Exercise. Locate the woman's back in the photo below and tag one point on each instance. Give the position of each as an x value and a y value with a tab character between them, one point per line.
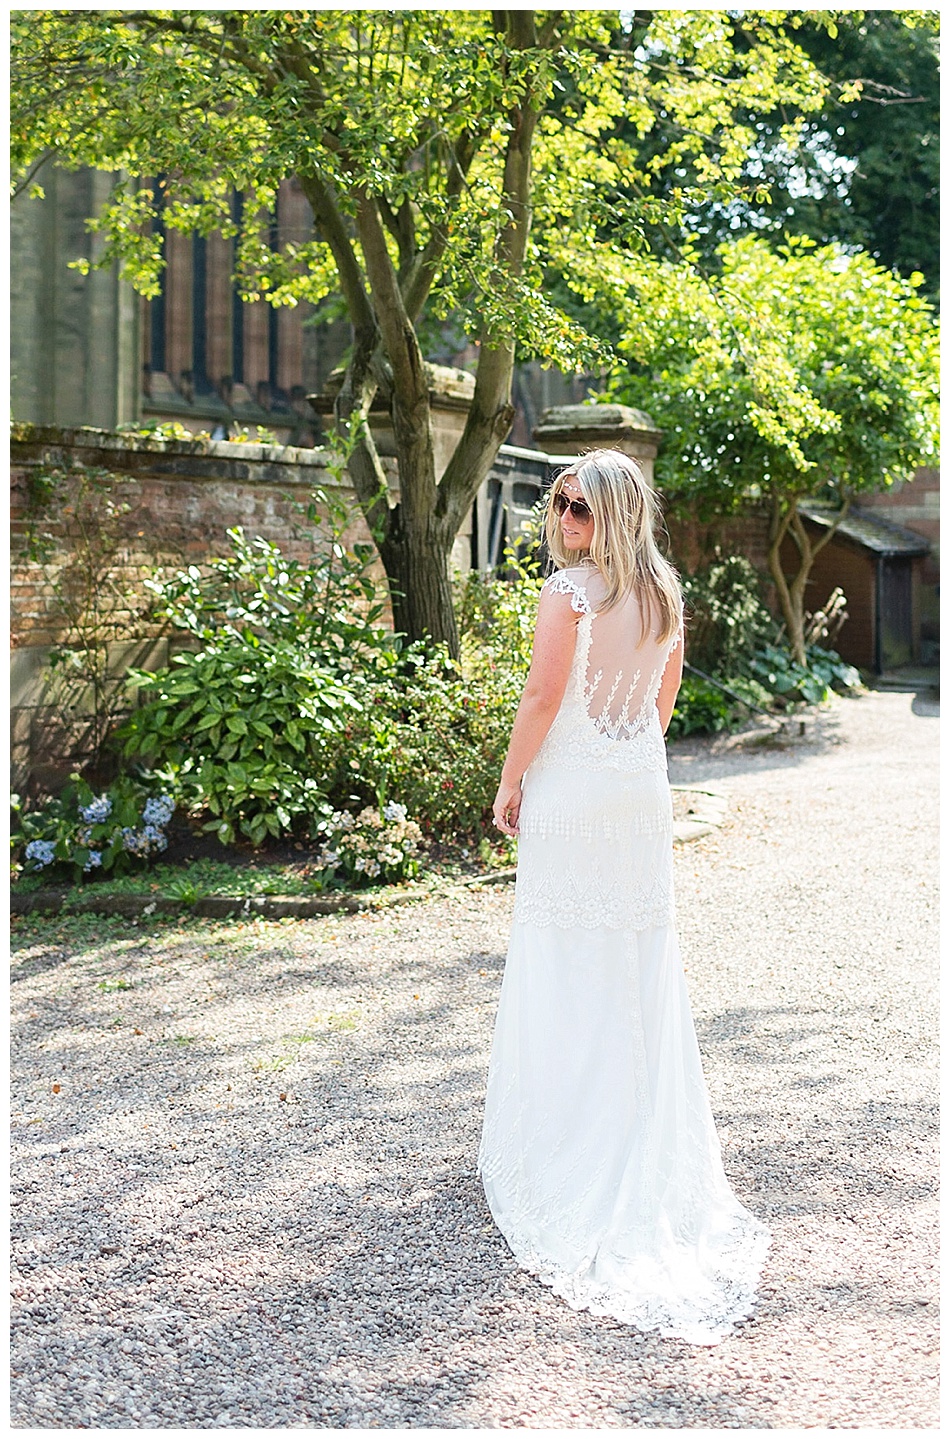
619	658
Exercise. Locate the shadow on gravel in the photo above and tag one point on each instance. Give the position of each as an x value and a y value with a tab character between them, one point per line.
328	1260
831	1158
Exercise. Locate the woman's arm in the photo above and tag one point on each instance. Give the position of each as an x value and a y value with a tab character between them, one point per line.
551	659
669	685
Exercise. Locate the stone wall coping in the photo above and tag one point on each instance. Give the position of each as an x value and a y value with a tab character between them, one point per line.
449	389
581	420
196	458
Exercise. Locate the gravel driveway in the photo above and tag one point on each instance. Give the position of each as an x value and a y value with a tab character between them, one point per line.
244	1191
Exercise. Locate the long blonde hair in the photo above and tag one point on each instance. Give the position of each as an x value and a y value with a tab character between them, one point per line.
623	546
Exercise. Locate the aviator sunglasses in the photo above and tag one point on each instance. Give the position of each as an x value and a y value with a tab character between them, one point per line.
578	508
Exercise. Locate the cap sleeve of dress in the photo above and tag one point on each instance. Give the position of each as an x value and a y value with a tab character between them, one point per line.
561	583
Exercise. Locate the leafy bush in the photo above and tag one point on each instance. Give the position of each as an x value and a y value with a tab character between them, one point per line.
245	730
89	833
251	727
298	702
826	672
432	737
700	709
727	620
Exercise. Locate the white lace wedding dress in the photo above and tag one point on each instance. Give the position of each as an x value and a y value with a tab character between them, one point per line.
599	1154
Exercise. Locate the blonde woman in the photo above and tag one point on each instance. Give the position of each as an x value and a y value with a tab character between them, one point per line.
599	1154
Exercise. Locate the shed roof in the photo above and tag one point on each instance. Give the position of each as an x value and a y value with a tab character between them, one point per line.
866	528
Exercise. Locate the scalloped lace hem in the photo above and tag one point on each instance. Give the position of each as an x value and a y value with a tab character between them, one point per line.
692	1320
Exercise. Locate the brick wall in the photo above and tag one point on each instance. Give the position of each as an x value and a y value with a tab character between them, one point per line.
693	544
182	497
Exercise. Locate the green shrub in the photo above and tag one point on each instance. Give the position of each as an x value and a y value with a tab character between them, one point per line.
700	709
825	672
726	619
298	702
246	731
85	833
251	726
432	738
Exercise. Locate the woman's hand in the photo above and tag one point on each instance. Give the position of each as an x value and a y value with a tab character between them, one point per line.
507	807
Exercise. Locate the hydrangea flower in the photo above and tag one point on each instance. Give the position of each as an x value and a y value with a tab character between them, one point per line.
394	812
94	861
158	811
143	841
97	811
41	850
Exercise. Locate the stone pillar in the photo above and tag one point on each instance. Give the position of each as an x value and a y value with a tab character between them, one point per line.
450	396
572	430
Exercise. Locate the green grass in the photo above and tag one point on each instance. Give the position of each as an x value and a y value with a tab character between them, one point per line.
191	881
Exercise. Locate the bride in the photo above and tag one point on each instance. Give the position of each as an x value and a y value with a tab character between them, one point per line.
599	1154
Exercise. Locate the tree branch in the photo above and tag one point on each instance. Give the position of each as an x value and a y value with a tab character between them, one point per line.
398	336
489	418
333	229
28	178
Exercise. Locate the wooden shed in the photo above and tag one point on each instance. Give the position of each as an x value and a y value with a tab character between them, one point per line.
877	565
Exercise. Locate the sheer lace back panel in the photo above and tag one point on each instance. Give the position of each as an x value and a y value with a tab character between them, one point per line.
596	817
619	661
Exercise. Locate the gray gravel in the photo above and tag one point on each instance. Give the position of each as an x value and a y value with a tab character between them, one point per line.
252	1201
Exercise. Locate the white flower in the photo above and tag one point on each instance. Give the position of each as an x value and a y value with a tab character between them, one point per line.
393	811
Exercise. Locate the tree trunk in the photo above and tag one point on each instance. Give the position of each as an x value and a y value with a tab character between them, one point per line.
785	519
417	567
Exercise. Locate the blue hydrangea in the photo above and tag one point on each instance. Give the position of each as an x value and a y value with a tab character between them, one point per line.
94	861
43	851
158	811
98	811
142	842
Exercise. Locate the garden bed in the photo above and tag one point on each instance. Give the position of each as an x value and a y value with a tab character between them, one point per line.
282	885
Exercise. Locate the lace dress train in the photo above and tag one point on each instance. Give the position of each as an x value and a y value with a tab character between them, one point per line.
599	1154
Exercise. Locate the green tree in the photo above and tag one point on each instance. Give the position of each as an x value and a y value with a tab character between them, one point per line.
867	168
862	168
792	373
442	154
